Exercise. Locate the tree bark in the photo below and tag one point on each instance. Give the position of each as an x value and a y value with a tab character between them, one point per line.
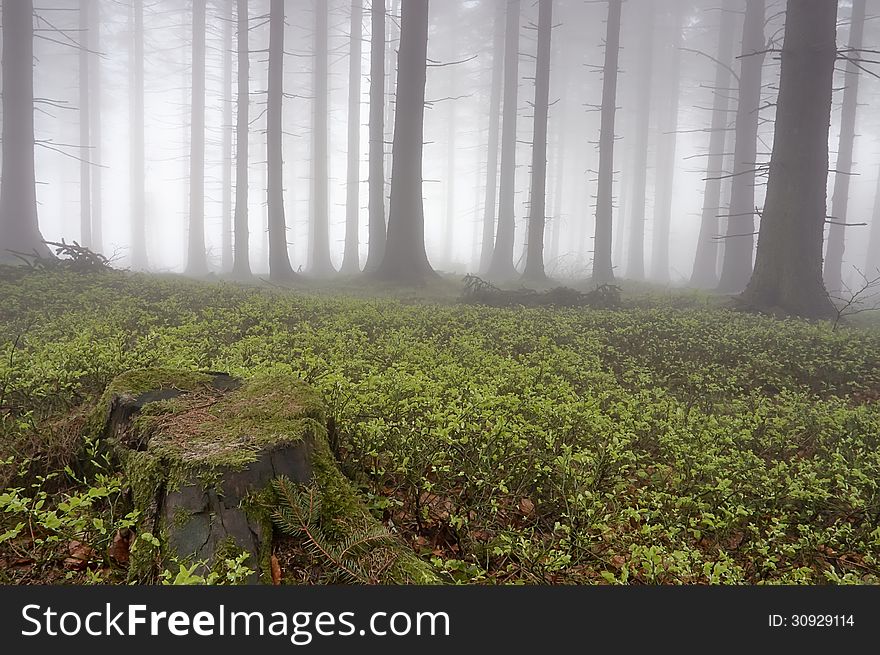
376	246
405	258
534	270
788	267
843	170
241	263
351	257
136	148
279	259
196	261
226	191
602	268
501	265
85	156
739	242
321	265
705	274
635	265
94	41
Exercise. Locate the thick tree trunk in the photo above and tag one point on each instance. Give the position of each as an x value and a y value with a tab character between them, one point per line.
705	273
94	41
391	61
279	260
490	204
534	269
843	169
226	190
196	261
501	266
788	267
85	156
376	246
665	175
136	149
241	265
872	261
635	264
739	242
351	258
405	258
321	265
602	268
19	229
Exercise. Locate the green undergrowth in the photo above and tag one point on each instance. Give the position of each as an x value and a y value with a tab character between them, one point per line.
670	441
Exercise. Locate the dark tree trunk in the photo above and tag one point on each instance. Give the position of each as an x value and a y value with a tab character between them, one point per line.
94	41
872	261
320	261
376	246
19	229
241	265
491	190
85	156
136	151
534	270
226	191
196	261
279	260
705	272
635	264
665	174
602	268
501	266
351	258
843	169
391	61
405	258
739	242
788	267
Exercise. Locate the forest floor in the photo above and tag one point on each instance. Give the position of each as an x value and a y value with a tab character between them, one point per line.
670	440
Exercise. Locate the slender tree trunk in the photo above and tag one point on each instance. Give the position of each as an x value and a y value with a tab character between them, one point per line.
843	169
85	155
739	242
279	259
391	62
534	269
705	273
490	204
788	267
376	246
136	149
501	266
559	186
602	268
321	265
196	261
19	228
449	240
241	264
872	261
94	40
226	191
351	257
665	175
405	258
635	265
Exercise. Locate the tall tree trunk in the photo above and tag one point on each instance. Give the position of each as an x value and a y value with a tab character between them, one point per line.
85	155
136	148
739	242
635	264
872	261
534	269
196	261
94	41
602	268
449	240
19	229
226	191
665	174
376	246
405	258
558	191
241	264
279	259
351	257
705	274
320	260
391	62
843	169
501	266
788	267
490	205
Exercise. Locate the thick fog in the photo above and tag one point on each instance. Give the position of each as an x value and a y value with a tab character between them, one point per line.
684	40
